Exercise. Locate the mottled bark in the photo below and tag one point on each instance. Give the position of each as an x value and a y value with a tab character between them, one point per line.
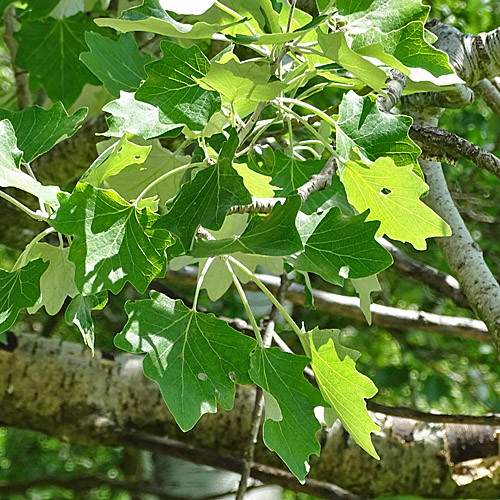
58	388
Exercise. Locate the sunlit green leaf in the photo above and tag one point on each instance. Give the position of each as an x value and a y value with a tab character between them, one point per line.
393	196
342	385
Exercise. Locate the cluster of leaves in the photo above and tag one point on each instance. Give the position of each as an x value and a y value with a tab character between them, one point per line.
140	206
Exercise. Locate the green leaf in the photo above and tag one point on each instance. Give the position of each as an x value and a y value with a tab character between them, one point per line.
290	424
151	17
116	158
332	196
37	9
258	185
289	174
343	247
137	118
38	130
114	242
79	313
393	196
386	15
342	385
218	279
361	125
118	64
129	183
18	290
195	358
49	49
206	199
10	173
336	48
237	80
172	87
58	281
274	234
407	50
364	287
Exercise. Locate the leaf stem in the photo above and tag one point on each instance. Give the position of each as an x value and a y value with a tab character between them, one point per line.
204	271
309	127
21	260
246	305
309	107
269	294
35	215
159	179
234	14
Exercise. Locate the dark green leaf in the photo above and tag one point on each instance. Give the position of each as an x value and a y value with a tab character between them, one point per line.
206	199
195	358
38	130
19	290
343	247
118	64
79	312
289	174
274	234
49	50
171	86
114	242
290	426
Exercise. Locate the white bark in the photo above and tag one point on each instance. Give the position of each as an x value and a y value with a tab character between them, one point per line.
58	388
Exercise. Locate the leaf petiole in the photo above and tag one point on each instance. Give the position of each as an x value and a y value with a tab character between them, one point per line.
160	179
246	305
38	215
22	258
200	281
270	296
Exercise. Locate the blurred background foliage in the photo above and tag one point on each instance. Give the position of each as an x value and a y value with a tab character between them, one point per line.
412	368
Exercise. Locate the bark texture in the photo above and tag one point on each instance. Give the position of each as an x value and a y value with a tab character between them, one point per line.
58	388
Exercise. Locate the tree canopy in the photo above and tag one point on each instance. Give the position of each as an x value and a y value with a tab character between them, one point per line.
165	166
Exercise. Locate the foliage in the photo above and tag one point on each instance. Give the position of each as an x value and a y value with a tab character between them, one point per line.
238	132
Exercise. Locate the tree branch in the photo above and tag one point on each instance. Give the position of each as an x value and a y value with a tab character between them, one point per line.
22	84
389	317
58	388
396	83
451	143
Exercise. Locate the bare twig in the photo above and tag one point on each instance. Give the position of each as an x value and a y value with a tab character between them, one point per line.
317	182
389	317
490	94
258	408
22	85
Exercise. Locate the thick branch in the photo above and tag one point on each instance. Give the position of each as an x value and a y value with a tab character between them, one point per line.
388	317
59	388
453	144
21	77
395	86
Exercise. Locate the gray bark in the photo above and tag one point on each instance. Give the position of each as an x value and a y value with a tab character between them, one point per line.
58	388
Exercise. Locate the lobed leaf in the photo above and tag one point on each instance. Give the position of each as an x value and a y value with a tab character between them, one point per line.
114	242
194	357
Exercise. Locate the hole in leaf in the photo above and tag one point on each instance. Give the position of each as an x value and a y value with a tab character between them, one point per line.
232	376
202	376
137	157
385	191
120	149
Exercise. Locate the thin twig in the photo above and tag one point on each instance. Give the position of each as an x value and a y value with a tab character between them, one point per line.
258	408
